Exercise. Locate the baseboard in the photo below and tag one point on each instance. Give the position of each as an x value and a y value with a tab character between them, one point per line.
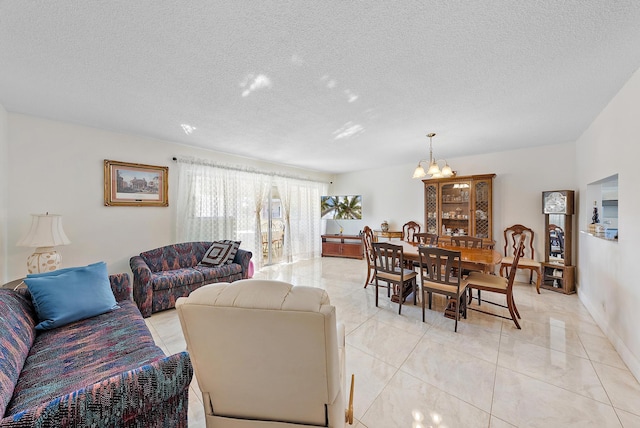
626	355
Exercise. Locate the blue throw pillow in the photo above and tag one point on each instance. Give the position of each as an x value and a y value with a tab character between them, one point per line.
71	294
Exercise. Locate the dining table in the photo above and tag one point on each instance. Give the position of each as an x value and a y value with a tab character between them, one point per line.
480	259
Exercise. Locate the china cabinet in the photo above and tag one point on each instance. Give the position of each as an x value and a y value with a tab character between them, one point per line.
557	272
459	206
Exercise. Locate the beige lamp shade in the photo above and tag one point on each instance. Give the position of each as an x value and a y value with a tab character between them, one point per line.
45	233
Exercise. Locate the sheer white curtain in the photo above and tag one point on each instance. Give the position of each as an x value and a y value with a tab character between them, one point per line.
301	211
217	202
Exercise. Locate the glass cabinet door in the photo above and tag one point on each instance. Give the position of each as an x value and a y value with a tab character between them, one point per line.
454	212
431	208
482	226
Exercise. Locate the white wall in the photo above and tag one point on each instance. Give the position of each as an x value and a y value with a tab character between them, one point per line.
521	177
4	188
58	167
607	270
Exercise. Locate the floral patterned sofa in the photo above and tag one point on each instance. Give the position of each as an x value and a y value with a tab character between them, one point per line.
99	371
162	275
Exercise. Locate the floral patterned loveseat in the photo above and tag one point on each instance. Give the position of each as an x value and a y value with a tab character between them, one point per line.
163	274
101	371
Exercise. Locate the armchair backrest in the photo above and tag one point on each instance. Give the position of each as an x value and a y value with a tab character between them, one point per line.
175	256
264	351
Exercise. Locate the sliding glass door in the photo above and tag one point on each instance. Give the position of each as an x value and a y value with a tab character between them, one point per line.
272	227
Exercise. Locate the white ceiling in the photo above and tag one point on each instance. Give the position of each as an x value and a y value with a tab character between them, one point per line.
333	86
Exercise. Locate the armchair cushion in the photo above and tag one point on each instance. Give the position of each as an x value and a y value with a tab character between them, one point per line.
167	279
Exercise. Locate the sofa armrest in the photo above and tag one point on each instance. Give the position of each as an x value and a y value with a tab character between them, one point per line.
243	257
142	290
121	286
155	394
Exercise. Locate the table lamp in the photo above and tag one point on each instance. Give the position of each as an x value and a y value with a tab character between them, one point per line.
46	233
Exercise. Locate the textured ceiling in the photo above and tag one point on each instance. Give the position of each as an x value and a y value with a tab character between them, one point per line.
332	86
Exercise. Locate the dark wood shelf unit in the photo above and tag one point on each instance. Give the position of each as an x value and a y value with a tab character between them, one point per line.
558	278
558	274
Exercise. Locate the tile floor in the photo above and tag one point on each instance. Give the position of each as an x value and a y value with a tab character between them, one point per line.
558	371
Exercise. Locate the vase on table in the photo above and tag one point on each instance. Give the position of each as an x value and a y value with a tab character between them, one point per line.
384	226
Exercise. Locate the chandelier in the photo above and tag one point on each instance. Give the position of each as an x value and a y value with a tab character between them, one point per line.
434	170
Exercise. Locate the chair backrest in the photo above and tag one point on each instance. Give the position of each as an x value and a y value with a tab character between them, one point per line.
466	241
409	229
264	351
512	236
368	244
426	238
438	264
388	259
514	265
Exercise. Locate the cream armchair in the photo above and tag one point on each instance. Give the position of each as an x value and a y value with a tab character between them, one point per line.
266	354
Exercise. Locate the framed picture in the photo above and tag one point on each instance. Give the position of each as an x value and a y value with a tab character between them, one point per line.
135	184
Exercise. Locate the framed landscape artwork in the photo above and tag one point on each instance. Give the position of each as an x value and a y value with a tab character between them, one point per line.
135	184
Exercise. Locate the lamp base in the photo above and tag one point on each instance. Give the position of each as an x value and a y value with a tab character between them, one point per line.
44	259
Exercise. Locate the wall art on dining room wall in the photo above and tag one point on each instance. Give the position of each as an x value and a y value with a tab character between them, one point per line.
135	184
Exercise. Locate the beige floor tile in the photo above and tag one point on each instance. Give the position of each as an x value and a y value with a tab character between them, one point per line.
389	344
548	336
557	368
601	350
458	373
623	389
499	423
409	402
627	419
371	376
524	401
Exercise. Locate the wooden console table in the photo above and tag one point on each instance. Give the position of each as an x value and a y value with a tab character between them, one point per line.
389	234
342	246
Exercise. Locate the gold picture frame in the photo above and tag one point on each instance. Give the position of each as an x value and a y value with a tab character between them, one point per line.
135	184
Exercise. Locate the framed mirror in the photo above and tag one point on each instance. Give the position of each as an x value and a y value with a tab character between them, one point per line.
556	238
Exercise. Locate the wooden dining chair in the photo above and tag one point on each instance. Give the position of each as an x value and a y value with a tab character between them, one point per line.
429	239
498	284
367	238
409	229
466	241
389	267
436	276
426	238
527	260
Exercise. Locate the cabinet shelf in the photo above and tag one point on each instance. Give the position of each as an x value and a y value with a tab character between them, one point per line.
558	278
